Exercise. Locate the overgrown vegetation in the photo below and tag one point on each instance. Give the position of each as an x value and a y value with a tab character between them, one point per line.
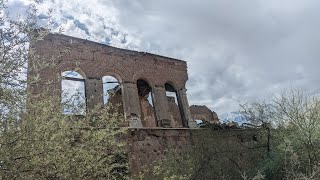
45	144
290	126
295	146
214	154
37	141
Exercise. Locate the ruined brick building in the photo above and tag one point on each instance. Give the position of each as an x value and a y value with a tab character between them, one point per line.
150	89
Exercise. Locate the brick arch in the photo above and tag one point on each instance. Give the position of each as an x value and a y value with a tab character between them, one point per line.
150	83
77	70
113	74
72	66
171	84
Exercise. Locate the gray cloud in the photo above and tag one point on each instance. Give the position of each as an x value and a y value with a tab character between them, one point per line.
236	50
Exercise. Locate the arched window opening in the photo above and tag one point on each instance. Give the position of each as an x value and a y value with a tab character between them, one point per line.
111	87
146	104
112	93
174	106
73	94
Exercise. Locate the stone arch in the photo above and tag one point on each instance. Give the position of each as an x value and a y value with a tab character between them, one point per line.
146	101
73	92
174	103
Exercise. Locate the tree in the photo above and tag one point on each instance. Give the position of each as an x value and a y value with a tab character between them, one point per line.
295	144
299	114
258	112
47	144
295	136
37	141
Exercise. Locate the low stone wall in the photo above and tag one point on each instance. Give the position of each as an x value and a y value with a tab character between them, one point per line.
237	149
148	144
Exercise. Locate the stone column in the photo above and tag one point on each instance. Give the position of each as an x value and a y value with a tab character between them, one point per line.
94	92
161	105
131	105
186	115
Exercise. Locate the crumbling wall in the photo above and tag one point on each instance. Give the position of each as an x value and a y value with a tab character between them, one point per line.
237	149
147	114
115	98
146	145
94	61
203	113
174	112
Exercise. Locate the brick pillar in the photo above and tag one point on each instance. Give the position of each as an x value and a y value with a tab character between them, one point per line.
186	115
161	105
131	105
94	92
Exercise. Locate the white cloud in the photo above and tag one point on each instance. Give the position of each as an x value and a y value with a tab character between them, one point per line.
236	50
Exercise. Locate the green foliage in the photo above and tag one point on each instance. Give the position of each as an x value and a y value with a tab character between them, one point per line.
295	137
37	141
257	112
294	144
47	144
15	35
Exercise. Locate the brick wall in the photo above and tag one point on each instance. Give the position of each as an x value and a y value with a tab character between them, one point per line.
93	61
245	147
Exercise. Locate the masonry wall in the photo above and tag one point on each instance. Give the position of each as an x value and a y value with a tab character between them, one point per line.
234	148
93	61
203	113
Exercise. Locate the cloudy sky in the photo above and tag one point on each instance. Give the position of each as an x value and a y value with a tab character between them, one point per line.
237	50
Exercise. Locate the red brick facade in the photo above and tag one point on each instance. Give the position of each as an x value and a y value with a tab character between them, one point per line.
94	61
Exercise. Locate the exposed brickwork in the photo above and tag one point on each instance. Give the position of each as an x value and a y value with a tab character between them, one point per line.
203	113
115	99
147	145
174	112
146	140
93	61
147	114
245	147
